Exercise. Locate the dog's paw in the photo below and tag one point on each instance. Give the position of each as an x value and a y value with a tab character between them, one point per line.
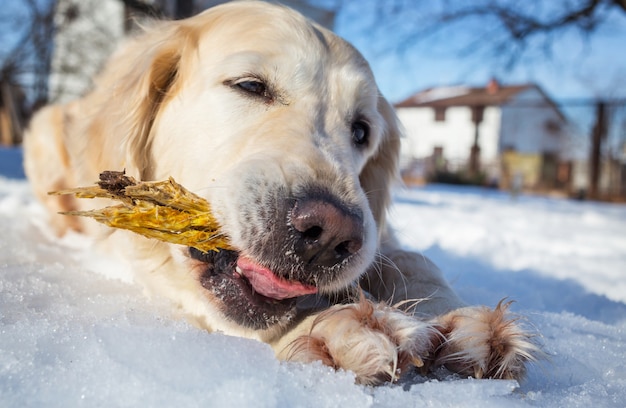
375	341
485	343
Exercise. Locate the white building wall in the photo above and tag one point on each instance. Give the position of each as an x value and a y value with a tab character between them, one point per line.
531	126
455	135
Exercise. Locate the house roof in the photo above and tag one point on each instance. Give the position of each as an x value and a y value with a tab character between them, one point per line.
490	95
494	94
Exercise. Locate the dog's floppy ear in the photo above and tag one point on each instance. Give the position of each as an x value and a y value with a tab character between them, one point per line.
381	171
136	82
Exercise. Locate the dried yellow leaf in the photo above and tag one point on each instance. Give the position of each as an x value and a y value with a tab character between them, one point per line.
163	210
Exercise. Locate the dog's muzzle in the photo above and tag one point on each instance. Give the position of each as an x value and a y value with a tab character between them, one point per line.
306	249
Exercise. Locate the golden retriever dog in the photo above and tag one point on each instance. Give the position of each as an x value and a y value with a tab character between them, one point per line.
279	124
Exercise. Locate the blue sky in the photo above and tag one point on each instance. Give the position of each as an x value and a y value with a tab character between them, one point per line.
579	67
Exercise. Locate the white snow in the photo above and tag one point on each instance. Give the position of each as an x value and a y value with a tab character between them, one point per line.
71	337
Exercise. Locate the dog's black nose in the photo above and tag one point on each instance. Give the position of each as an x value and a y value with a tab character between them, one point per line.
326	232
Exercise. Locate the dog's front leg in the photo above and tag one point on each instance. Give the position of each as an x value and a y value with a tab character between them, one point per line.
377	342
479	341
485	343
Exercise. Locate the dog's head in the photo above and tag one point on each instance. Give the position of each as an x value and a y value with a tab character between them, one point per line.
280	125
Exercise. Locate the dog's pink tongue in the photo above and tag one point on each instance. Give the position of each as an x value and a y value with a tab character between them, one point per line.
268	284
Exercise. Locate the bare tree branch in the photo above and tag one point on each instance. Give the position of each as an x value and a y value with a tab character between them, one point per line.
521	25
621	4
505	29
27	63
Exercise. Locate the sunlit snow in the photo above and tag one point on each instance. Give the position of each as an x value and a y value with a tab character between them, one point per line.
70	335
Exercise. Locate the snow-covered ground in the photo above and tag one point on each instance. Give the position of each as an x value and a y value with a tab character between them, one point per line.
70	336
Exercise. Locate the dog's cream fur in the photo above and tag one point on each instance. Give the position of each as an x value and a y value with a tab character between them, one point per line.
175	101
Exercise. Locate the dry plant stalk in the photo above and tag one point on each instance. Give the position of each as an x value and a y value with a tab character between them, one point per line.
164	210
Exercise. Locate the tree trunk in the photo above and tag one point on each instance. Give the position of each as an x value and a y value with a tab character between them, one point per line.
474	161
597	136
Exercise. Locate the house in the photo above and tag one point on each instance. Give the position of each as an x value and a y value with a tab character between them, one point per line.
512	136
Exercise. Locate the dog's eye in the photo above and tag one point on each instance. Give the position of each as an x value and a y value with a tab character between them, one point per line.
254	87
360	133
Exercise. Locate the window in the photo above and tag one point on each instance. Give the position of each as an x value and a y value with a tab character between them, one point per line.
477	113
552	127
440	114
